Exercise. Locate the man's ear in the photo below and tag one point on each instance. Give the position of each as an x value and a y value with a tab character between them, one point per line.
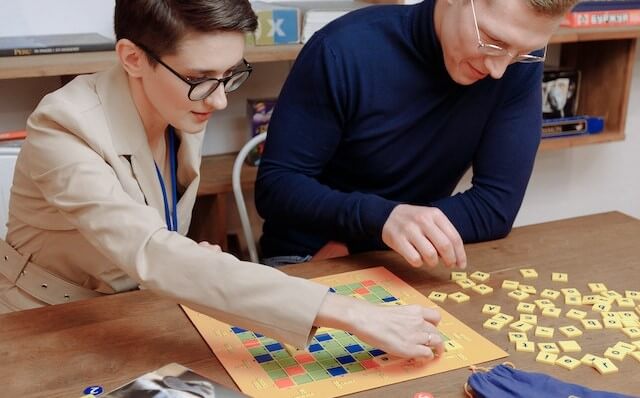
131	57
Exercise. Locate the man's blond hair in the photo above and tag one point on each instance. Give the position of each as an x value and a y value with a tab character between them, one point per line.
553	8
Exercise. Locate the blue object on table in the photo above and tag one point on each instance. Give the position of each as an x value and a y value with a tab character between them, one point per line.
505	381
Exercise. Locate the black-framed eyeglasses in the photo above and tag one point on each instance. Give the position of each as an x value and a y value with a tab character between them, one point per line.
494	50
202	88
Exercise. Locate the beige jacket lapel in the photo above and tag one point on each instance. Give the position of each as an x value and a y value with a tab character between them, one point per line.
130	141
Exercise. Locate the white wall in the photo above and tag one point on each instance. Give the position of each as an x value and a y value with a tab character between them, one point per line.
565	183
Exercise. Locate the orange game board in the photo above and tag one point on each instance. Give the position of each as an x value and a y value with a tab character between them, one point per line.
337	363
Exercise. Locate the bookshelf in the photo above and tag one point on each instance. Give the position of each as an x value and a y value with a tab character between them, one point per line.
604	55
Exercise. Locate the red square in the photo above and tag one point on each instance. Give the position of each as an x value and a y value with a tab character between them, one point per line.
251	343
284	383
304	358
368	283
369	364
295	370
362	290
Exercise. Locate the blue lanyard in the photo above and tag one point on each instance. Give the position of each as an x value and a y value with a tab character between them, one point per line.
172	223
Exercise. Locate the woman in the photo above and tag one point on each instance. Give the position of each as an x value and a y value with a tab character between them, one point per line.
106	181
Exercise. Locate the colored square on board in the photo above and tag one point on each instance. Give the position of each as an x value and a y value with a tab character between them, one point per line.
277	374
287	362
376	352
354	367
263	358
323	337
362	290
320	375
313	367
345	359
368	283
274	347
315	347
258	351
251	343
370	364
329	363
238	330
354	348
304	358
337	371
284	383
269	366
302	379
361	356
294	370
389	299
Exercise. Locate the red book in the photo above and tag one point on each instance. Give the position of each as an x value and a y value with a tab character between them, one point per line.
12	135
595	19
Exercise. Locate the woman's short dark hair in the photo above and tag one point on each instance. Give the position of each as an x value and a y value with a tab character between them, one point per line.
159	25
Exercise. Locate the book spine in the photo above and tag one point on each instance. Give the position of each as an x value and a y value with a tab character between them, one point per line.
593	19
12	135
11	52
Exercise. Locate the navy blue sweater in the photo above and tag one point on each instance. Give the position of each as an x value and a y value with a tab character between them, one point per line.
369	118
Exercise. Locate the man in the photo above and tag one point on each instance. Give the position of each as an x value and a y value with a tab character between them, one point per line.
383	112
106	181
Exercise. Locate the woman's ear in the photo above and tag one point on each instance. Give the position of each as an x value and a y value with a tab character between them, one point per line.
131	57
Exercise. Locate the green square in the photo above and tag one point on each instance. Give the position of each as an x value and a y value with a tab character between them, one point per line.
266	340
345	341
313	366
320	375
244	336
337	351
258	351
302	379
361	356
329	363
322	355
343	289
372	298
354	367
280	354
286	362
354	286
331	345
269	366
277	374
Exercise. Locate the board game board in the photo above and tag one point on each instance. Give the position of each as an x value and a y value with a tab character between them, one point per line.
337	363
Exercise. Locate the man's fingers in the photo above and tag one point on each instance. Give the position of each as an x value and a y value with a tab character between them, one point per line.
442	243
406	250
428	253
454	237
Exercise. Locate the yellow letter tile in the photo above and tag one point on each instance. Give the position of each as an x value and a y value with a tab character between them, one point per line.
479	276
601	307
490	309
588	359
570	291
567	362
455	276
635	355
438	296
521	326
569	346
634	295
570	331
510	285
493	324
525	346
551	312
529	273
633	333
527	308
576	314
527	289
547	357
502	317
615	354
517	336
528	318
621	345
459	297
590	299
549	347
605	366
544	303
611	323
559	277
550	294
518	295
465	283
452	346
542	331
482	289
597	287
591	324
573	300
625	302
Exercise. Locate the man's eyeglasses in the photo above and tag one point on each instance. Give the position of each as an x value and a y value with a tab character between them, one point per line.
201	88
497	51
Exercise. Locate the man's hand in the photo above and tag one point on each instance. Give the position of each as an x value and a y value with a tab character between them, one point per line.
422	234
208	245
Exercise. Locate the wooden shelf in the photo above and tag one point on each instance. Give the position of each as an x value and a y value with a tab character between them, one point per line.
89	62
573	35
549	144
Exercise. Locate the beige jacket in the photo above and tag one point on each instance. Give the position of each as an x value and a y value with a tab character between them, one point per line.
86	205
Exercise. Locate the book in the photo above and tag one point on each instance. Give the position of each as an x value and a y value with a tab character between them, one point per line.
277	25
173	380
54	44
576	125
317	14
12	138
594	19
605	5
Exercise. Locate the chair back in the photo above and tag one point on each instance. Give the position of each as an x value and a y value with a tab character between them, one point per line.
239	196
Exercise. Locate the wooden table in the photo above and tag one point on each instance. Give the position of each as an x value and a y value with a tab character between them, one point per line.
57	351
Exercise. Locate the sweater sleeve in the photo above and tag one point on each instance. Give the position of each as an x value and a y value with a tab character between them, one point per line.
307	126
503	163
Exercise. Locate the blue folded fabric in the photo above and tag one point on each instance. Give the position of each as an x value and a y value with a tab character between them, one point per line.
504	381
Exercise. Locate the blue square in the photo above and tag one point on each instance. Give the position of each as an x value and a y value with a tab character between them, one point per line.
238	330
389	299
263	358
332	290
315	347
354	348
285	26
337	371
323	337
376	352
258	335
346	359
274	347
